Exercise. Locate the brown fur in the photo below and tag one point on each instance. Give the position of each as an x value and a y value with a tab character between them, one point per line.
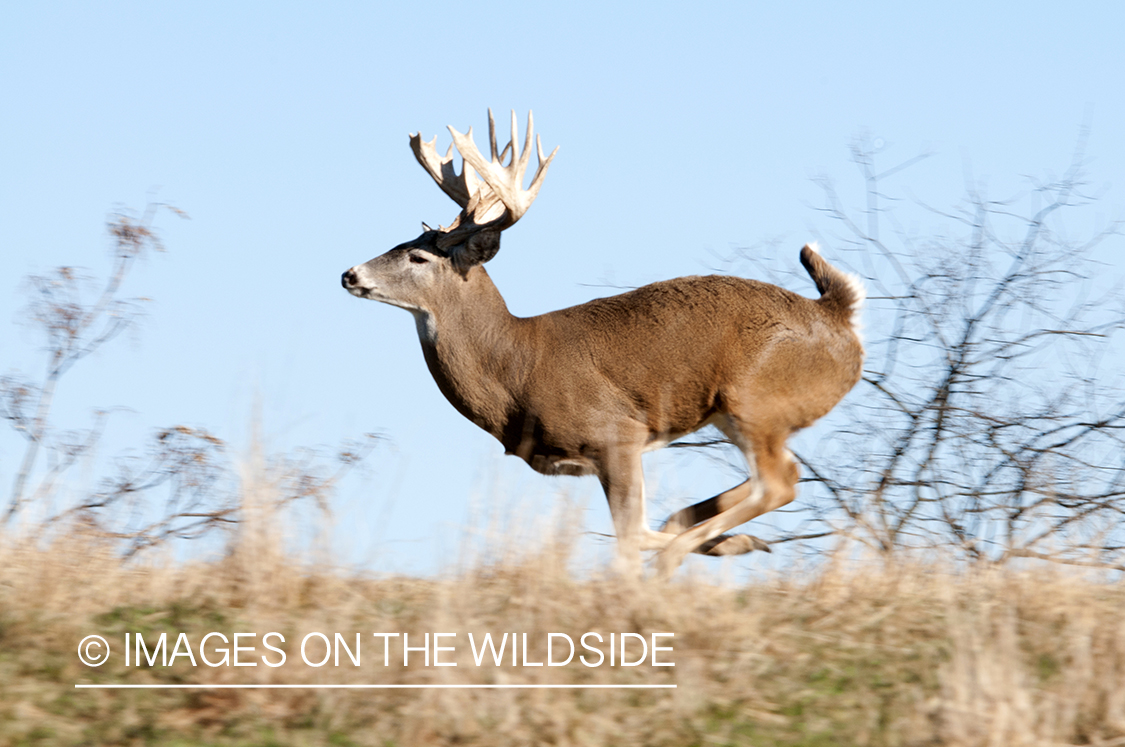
587	389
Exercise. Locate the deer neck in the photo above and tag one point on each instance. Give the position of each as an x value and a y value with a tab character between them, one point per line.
475	350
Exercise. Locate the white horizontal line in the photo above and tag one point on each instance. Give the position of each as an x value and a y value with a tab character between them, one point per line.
372	687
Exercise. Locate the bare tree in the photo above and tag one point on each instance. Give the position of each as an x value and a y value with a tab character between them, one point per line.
73	328
188	468
992	415
200	490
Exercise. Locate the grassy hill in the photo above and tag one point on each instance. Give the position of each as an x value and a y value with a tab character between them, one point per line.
852	653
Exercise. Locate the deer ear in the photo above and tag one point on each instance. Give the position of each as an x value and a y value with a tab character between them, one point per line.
481	247
426	228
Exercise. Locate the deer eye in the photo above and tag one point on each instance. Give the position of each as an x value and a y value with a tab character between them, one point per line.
418	259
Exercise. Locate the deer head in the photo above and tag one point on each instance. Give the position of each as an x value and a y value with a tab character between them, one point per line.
492	198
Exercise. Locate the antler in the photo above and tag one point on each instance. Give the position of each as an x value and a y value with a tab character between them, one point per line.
489	192
460	187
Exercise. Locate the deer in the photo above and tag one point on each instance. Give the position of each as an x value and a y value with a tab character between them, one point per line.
587	390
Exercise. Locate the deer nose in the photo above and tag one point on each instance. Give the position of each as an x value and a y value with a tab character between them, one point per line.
348	279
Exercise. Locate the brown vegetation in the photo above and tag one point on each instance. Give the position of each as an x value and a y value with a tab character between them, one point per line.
850	653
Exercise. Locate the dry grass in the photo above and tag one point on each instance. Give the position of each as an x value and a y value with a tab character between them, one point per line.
851	653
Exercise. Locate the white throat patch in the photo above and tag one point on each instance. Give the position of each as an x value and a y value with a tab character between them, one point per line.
424	321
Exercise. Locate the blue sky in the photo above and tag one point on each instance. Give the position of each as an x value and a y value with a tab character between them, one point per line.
282	130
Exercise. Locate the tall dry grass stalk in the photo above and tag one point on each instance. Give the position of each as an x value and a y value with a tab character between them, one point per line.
846	653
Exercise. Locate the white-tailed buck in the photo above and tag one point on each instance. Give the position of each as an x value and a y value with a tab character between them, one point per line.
587	390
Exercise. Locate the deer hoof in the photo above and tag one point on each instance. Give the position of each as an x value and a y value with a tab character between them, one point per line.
735	544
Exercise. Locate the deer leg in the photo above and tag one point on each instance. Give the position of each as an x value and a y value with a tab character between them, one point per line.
774	487
623	481
732	544
686	518
736	544
724	544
